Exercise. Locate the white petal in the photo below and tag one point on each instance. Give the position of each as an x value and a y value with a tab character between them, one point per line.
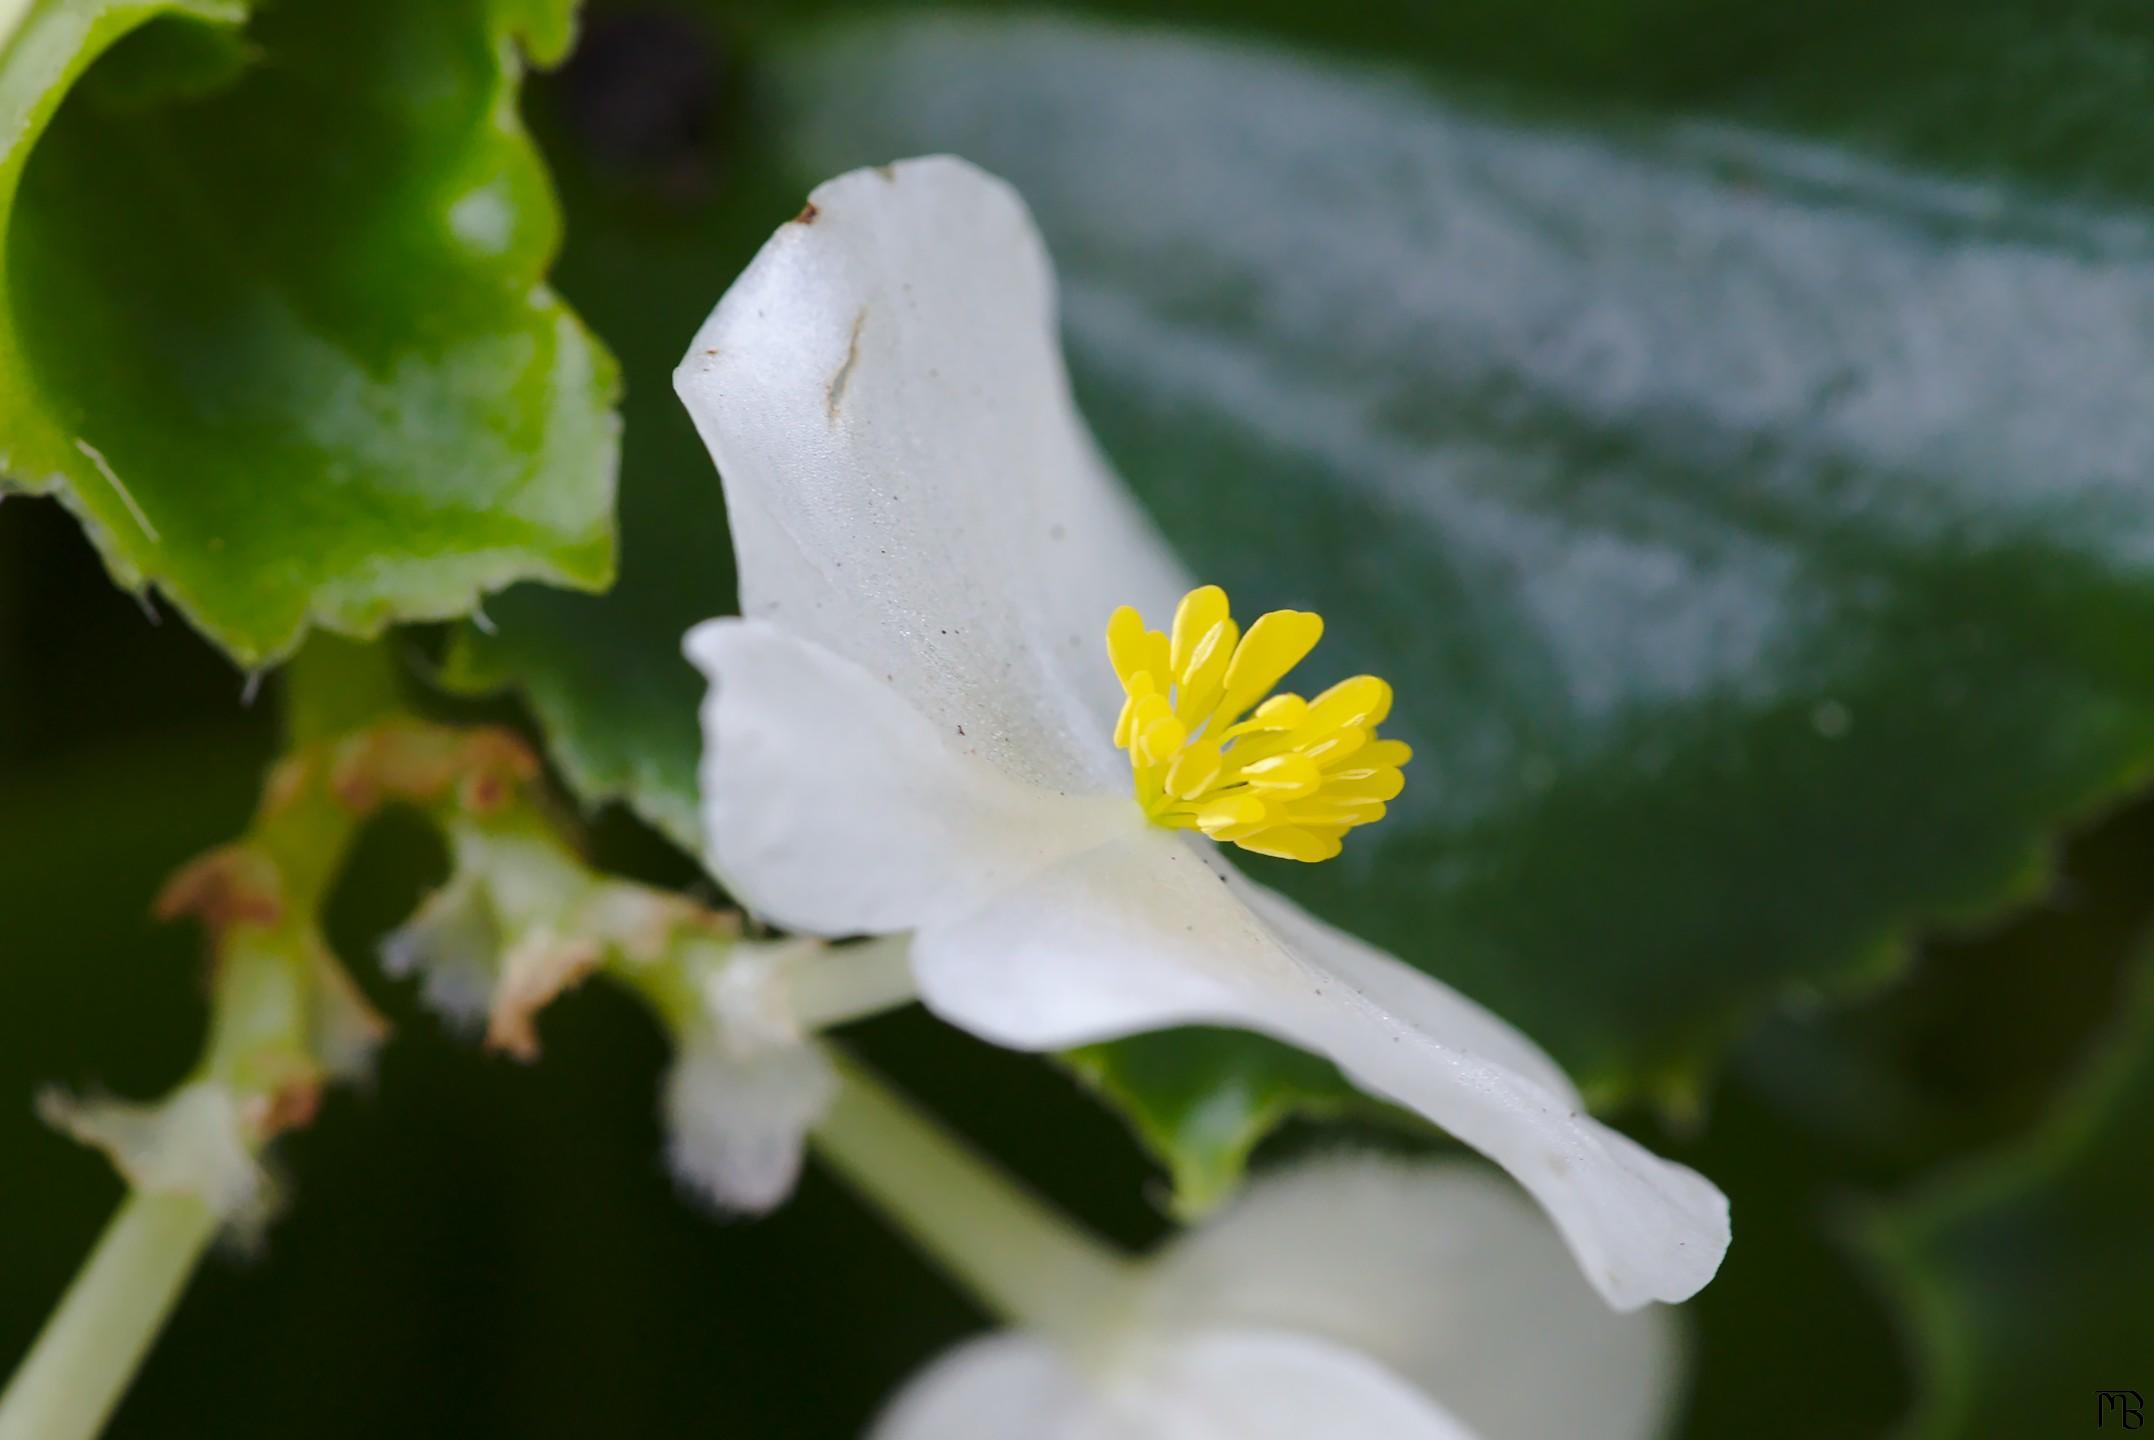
907	477
1276	1385
1444	1274
834	807
1004	1387
737	1125
1422	1002
1150	932
1214	1385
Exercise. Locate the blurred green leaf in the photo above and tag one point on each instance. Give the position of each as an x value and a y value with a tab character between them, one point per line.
1980	1044
1792	1340
272	319
1973	1045
1755	532
1756	528
2028	1274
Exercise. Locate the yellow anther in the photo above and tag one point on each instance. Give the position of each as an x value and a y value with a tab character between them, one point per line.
1290	779
1228	811
1338	747
1283	777
1200	611
1193	771
1274	645
1377	785
1280	712
1363	700
1290	842
1199	678
1127	643
1135	651
1393	753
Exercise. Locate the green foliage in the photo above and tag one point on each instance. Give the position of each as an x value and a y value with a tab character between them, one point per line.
272	319
2027	1274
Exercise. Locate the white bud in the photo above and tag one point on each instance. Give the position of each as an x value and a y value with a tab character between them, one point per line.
194	1141
452	944
738	1126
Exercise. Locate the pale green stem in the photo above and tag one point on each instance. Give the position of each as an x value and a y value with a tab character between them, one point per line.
1020	1257
834	985
88	1352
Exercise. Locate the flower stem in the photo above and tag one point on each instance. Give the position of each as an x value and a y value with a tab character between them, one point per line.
1018	1256
836	986
88	1352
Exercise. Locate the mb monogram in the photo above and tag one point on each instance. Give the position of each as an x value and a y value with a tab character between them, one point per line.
2122	1406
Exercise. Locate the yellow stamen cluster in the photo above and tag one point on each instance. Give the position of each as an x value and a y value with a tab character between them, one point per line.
1289	780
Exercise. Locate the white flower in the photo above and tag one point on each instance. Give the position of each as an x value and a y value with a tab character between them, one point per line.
913	729
1355	1298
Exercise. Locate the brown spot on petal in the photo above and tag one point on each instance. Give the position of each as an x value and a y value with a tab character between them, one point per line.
839	381
807	214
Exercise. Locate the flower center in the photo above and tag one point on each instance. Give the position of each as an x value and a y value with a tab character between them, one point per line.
1292	778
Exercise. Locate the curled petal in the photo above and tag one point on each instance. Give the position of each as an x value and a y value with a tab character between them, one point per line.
1145	933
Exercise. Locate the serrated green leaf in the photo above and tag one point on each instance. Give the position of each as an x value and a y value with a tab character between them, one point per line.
2028	1275
1757	529
662	214
272	319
